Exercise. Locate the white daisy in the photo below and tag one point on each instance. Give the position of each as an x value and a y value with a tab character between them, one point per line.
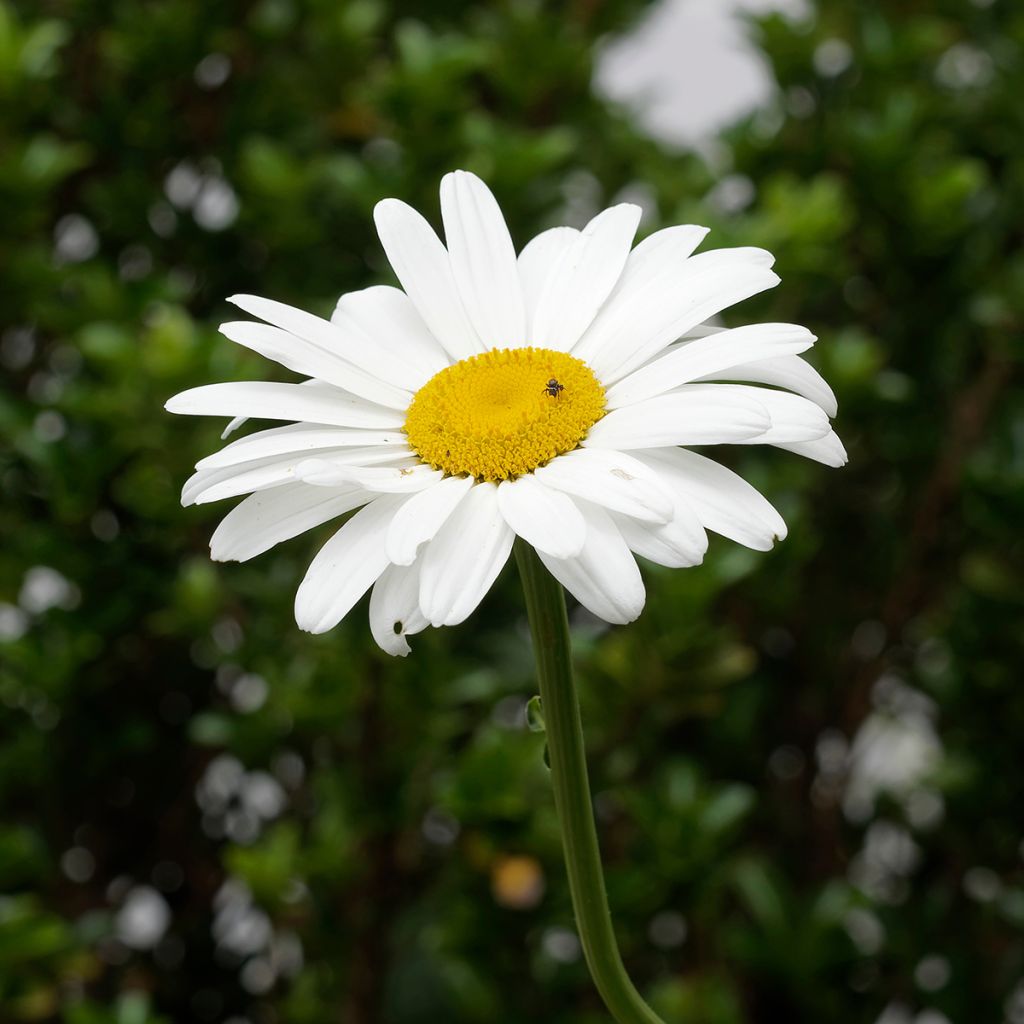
555	396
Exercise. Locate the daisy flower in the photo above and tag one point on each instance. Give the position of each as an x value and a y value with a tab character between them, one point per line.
556	395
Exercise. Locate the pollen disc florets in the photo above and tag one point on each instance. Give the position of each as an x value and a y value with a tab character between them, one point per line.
494	417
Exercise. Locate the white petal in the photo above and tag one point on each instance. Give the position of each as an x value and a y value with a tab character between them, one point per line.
421	263
232	426
322	333
301	437
793	418
712	281
828	449
296	321
483	260
790	372
419	519
723	501
604	577
240	421
206	485
270	517
709	356
671	304
537	261
611	479
269	400
583	278
394	608
310	359
391	455
684	417
463	560
677	544
542	516
345	567
651	267
701	331
388	336
405	478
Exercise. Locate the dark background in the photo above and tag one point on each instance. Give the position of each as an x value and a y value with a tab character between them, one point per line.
806	764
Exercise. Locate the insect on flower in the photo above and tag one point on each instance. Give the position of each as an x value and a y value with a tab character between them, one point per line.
553	388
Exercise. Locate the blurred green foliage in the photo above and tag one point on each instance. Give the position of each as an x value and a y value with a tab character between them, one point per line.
806	763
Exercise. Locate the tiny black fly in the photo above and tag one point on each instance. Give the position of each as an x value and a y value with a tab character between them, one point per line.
553	388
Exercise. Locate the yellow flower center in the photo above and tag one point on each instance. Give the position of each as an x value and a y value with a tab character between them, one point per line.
503	413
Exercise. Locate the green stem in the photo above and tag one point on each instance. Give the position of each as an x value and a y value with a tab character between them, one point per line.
545	606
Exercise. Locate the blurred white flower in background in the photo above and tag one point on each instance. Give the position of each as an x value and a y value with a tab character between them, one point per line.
690	68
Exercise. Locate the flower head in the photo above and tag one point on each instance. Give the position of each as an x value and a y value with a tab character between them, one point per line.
555	396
